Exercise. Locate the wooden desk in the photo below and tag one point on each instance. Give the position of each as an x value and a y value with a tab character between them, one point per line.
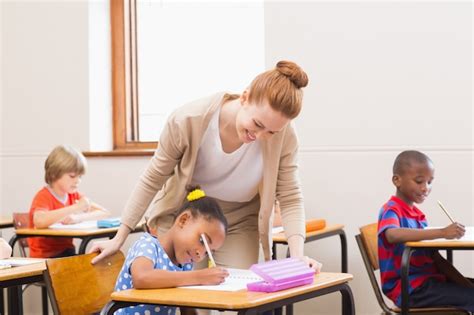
448	245
12	278
244	302
328	231
85	235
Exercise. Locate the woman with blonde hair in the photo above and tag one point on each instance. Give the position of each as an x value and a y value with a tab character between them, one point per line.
242	150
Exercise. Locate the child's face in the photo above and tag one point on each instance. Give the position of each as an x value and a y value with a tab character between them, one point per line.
188	244
414	185
67	183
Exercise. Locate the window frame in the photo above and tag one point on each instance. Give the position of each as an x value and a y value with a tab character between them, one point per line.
124	78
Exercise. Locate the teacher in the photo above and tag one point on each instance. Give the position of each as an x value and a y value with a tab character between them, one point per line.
242	151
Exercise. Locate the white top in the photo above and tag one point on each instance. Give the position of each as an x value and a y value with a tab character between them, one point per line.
227	176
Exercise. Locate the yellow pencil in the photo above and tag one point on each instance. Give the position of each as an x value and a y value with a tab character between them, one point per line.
211	262
446	211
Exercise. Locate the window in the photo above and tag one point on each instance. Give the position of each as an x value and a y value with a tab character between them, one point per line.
167	53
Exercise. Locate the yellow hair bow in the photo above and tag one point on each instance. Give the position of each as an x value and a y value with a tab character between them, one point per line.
196	194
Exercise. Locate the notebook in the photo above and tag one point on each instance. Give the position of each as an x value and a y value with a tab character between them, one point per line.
14	262
281	274
237	280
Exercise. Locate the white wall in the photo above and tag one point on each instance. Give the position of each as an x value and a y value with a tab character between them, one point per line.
385	76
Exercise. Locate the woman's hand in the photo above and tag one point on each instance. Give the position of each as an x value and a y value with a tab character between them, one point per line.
105	248
317	266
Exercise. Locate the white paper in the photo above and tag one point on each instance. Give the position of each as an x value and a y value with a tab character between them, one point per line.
237	280
85	225
20	262
468	236
277	229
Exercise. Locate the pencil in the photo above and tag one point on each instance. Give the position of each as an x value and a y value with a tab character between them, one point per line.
208	250
446	211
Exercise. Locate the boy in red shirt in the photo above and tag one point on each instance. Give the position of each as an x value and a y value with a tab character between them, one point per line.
60	201
433	281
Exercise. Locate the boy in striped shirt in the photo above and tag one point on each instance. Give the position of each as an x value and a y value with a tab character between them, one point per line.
432	280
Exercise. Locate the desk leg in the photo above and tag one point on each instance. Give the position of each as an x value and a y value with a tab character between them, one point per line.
449	255
2	303
348	307
405	269
342	236
15	300
274	251
85	241
13	240
113	306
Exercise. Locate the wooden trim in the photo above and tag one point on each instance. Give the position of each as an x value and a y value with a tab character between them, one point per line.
124	79
117	21
118	153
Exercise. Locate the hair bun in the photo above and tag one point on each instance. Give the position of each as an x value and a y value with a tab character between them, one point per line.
293	72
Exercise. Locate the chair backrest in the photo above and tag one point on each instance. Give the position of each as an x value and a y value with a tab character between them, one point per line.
21	220
75	286
369	238
367	241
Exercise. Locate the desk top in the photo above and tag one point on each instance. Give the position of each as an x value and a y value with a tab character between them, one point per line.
236	300
22	271
443	243
71	232
467	241
65	233
281	238
6	222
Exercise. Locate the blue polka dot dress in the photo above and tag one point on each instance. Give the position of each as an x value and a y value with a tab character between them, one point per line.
147	246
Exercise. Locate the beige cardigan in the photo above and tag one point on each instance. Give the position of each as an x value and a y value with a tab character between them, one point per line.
172	167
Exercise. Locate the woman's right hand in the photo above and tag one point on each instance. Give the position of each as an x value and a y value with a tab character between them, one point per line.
454	230
105	248
210	276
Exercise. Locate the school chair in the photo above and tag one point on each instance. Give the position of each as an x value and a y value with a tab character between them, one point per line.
21	220
367	241
75	286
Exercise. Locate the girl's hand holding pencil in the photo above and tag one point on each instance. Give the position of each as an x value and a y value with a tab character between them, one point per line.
211	276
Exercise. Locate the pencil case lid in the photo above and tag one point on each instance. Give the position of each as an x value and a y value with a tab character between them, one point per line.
283	270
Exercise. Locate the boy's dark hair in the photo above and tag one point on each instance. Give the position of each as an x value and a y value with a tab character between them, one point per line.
405	159
204	206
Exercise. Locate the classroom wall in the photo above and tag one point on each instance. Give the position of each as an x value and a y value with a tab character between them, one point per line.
384	77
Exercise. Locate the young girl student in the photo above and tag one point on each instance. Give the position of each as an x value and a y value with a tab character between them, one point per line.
59	201
153	261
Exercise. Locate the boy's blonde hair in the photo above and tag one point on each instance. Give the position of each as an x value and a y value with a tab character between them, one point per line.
63	159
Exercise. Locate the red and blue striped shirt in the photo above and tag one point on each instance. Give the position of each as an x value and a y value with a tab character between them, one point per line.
397	214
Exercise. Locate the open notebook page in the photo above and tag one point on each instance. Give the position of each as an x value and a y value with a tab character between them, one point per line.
237	280
13	262
85	225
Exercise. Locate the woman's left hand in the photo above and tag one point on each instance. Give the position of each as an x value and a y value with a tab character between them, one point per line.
313	264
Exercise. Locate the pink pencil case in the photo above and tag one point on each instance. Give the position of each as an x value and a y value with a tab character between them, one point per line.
281	274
